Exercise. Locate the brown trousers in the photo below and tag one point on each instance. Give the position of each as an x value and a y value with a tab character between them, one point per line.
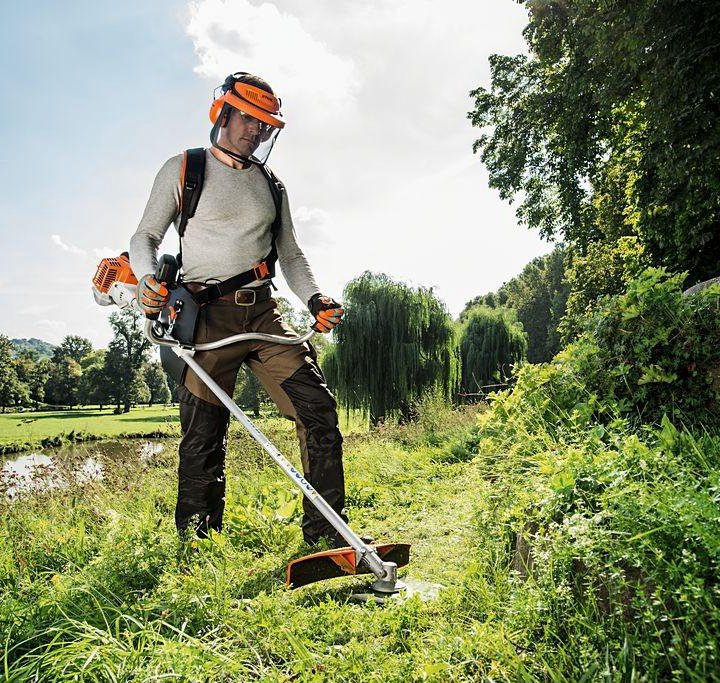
292	378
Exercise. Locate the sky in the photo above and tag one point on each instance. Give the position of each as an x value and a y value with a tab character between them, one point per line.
376	154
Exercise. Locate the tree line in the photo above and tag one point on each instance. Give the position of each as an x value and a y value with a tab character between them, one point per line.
122	375
76	374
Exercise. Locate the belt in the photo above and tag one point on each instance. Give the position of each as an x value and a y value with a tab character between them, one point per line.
241	297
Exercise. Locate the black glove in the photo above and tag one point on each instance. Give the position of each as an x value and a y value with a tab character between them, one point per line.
327	312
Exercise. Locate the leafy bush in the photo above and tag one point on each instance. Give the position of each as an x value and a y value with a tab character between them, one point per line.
604	269
491	342
599	528
644	354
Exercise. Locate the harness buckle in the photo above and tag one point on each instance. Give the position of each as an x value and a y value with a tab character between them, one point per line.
261	270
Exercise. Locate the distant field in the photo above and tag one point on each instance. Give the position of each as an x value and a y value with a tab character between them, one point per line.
33	427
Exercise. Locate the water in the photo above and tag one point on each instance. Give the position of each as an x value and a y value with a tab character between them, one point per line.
77	464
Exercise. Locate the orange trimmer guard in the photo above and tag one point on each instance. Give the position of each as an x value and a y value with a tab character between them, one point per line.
340	562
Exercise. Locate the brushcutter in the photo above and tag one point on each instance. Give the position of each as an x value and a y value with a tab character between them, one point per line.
115	284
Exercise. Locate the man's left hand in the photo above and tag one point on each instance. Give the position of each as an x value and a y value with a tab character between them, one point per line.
327	312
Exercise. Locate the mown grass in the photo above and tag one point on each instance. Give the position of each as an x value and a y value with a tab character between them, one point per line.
32	427
27	430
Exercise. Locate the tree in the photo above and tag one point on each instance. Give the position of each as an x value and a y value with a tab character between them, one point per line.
139	390
301	321
491	342
249	392
12	390
95	384
604	270
610	127
72	346
125	356
63	382
32	371
94	387
395	345
157	384
538	295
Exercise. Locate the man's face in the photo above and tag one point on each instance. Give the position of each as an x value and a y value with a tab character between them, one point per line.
243	132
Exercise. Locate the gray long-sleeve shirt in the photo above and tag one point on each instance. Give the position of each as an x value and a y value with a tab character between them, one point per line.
230	231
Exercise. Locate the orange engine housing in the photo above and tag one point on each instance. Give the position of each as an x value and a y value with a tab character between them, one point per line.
113	269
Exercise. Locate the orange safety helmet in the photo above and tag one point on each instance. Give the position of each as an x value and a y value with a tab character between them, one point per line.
259	103
251	100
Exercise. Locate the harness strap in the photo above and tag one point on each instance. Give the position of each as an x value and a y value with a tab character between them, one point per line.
192	174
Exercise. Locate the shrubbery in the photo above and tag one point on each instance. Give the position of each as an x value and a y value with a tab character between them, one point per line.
604	501
647	353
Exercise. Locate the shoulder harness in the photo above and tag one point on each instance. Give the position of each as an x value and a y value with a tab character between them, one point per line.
192	175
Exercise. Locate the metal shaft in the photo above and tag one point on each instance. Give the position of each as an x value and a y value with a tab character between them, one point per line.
386	572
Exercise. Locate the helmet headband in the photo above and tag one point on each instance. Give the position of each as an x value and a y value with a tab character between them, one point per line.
252	100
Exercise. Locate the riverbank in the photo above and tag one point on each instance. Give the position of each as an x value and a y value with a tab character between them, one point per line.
27	431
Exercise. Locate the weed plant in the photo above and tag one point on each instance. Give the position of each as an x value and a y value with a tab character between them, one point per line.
577	535
599	527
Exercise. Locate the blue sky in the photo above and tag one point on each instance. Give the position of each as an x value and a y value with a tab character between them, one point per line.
376	155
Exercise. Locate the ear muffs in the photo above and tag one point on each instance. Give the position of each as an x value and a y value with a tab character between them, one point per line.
215	109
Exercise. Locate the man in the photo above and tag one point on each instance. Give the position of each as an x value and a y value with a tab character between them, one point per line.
229	234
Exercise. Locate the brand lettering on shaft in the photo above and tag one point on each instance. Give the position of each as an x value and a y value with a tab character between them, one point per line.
303	482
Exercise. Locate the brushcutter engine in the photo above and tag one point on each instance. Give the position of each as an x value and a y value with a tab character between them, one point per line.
115	283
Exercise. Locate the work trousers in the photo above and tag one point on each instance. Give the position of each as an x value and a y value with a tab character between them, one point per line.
292	378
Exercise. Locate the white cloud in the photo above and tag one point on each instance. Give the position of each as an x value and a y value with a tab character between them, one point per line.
52	330
70	248
104	252
235	35
310	225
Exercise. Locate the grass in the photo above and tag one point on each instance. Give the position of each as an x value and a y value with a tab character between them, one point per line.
33	427
27	430
97	587
617	582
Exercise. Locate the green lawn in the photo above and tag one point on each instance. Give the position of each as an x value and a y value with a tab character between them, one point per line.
33	427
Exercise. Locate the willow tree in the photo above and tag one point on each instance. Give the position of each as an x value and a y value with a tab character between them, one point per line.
491	341
395	345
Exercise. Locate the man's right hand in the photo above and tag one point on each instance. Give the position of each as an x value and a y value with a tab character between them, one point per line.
152	295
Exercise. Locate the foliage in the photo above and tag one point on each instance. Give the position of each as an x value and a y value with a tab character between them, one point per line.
610	126
74	347
301	322
598	545
396	344
156	381
125	356
249	392
538	295
491	343
42	348
63	382
604	270
12	390
32	371
95	384
644	354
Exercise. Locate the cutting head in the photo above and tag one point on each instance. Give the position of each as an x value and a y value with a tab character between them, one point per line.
340	562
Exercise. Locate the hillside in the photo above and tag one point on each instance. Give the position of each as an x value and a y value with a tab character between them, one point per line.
44	349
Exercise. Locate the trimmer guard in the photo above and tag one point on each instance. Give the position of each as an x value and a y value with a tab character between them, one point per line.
340	562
